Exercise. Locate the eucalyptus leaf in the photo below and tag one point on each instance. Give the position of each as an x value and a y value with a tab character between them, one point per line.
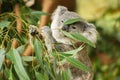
77	64
38	50
83	39
6	72
28	58
39	76
2	56
22	74
4	24
68	35
10	76
73	52
48	69
20	49
19	73
39	13
46	77
79	37
65	75
70	21
9	55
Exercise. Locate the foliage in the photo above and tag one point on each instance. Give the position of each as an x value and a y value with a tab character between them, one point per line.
39	65
106	55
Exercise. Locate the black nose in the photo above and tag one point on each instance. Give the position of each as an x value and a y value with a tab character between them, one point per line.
65	28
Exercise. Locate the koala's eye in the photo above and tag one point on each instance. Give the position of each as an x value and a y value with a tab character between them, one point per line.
73	27
62	21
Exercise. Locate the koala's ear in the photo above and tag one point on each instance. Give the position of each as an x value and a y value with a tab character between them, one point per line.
90	33
59	11
91	25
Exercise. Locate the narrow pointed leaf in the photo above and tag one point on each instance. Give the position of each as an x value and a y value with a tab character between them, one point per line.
70	21
77	64
65	75
4	24
82	38
79	37
28	58
10	76
72	52
22	74
20	49
38	50
39	76
2	56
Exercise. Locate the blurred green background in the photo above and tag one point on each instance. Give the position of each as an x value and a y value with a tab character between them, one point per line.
105	14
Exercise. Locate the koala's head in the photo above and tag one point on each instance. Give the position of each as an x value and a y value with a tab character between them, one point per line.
82	27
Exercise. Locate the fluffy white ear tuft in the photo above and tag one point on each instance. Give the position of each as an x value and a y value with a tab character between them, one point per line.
59	11
91	33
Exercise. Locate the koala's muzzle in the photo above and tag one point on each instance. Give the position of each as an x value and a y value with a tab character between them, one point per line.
65	28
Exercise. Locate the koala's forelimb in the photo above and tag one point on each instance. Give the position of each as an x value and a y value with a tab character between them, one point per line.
49	40
56	26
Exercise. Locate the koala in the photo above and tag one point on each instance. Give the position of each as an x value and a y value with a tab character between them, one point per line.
54	35
88	30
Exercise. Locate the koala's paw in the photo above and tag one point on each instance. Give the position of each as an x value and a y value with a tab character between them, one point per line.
33	30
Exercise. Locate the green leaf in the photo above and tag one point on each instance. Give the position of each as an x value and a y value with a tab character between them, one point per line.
28	58
8	46
9	56
65	75
70	21
77	64
4	24
39	13
20	49
22	74
6	72
48	70
10	76
72	52
46	77
38	50
79	37
39	76
2	56
83	39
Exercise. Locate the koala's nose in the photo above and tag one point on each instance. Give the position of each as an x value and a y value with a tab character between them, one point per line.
65	28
